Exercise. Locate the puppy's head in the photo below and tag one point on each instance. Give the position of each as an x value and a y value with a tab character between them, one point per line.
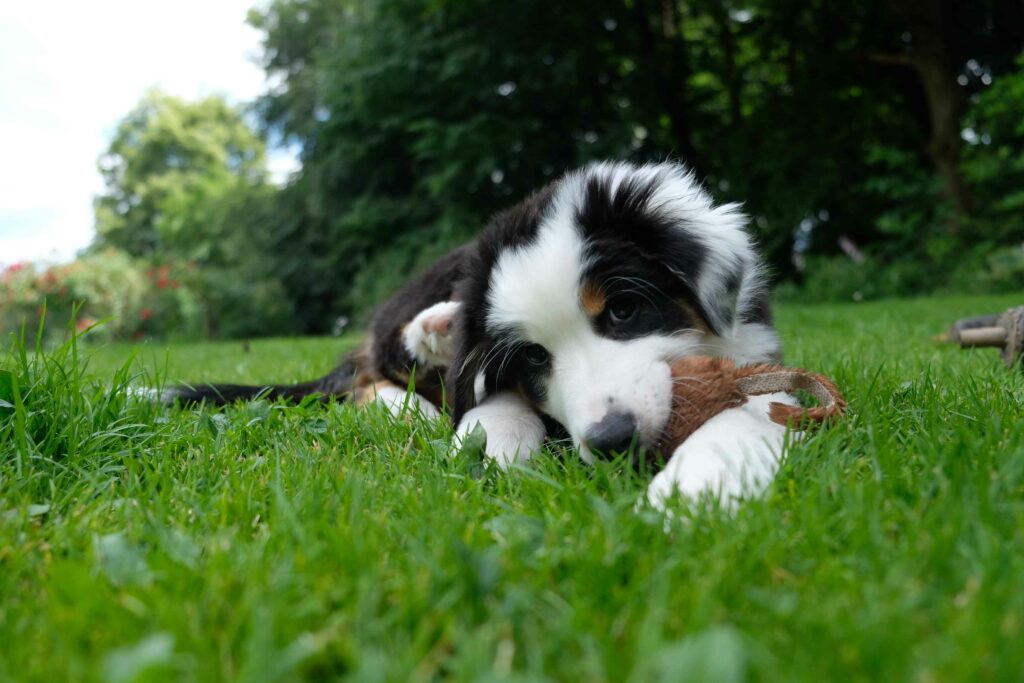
581	297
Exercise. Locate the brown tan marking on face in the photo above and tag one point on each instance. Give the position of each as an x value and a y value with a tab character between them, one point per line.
592	298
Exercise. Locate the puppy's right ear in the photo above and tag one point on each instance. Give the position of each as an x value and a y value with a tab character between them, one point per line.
460	380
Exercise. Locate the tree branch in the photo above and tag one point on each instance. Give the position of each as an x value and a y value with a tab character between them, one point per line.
897	59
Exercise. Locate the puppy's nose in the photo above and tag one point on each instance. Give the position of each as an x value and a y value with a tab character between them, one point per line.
613	434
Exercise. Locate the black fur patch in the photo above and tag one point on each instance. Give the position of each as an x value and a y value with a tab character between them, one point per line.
757	309
508	366
515	227
626	217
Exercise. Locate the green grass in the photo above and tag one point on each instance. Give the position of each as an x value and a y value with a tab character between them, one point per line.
272	543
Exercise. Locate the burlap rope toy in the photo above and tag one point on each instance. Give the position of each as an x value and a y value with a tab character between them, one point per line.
706	386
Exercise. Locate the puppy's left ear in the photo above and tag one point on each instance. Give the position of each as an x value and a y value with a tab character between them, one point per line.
715	258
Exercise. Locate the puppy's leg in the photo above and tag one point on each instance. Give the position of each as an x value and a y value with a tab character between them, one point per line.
734	454
428	336
514	431
397	400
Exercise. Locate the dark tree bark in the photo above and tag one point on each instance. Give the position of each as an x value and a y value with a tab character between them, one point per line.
930	56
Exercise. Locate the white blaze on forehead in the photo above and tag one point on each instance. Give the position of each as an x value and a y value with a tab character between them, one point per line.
536	287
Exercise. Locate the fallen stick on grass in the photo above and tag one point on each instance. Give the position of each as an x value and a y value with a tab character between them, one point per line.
1002	331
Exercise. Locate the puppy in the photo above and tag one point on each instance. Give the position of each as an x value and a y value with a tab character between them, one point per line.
566	313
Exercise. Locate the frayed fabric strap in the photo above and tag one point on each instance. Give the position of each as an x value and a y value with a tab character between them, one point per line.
787	381
831	402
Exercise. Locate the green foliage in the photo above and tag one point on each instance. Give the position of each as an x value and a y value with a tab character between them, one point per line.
106	285
134	299
919	254
181	249
168	173
321	542
1004	271
912	217
994	159
418	120
237	306
996	270
19	296
838	278
963	271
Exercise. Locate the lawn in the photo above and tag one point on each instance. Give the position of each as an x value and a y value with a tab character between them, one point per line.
321	542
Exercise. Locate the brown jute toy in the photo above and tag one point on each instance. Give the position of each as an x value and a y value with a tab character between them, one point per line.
705	386
1004	331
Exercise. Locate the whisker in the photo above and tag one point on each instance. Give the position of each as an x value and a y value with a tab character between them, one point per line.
508	355
494	351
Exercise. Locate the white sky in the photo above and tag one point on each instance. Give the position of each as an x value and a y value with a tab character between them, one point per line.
69	71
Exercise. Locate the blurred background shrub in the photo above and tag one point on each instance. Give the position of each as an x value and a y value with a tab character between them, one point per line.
108	284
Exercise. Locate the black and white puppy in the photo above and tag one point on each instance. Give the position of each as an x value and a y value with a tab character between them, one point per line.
568	309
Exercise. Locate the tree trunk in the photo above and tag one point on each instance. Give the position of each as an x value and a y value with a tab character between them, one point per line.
946	103
931	58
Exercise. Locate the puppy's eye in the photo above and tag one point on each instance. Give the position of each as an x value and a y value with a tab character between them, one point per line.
622	310
536	355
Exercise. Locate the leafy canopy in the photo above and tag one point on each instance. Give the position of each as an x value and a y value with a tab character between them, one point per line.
170	172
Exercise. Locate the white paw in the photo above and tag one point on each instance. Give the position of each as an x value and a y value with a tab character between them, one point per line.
514	431
399	402
428	337
733	455
149	394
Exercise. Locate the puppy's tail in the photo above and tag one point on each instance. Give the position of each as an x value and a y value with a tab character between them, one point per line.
223	394
338	384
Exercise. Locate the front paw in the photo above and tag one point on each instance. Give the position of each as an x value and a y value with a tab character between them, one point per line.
733	455
401	403
694	480
514	431
428	337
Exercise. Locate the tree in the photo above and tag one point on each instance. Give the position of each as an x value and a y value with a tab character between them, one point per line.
937	39
186	186
419	118
172	171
